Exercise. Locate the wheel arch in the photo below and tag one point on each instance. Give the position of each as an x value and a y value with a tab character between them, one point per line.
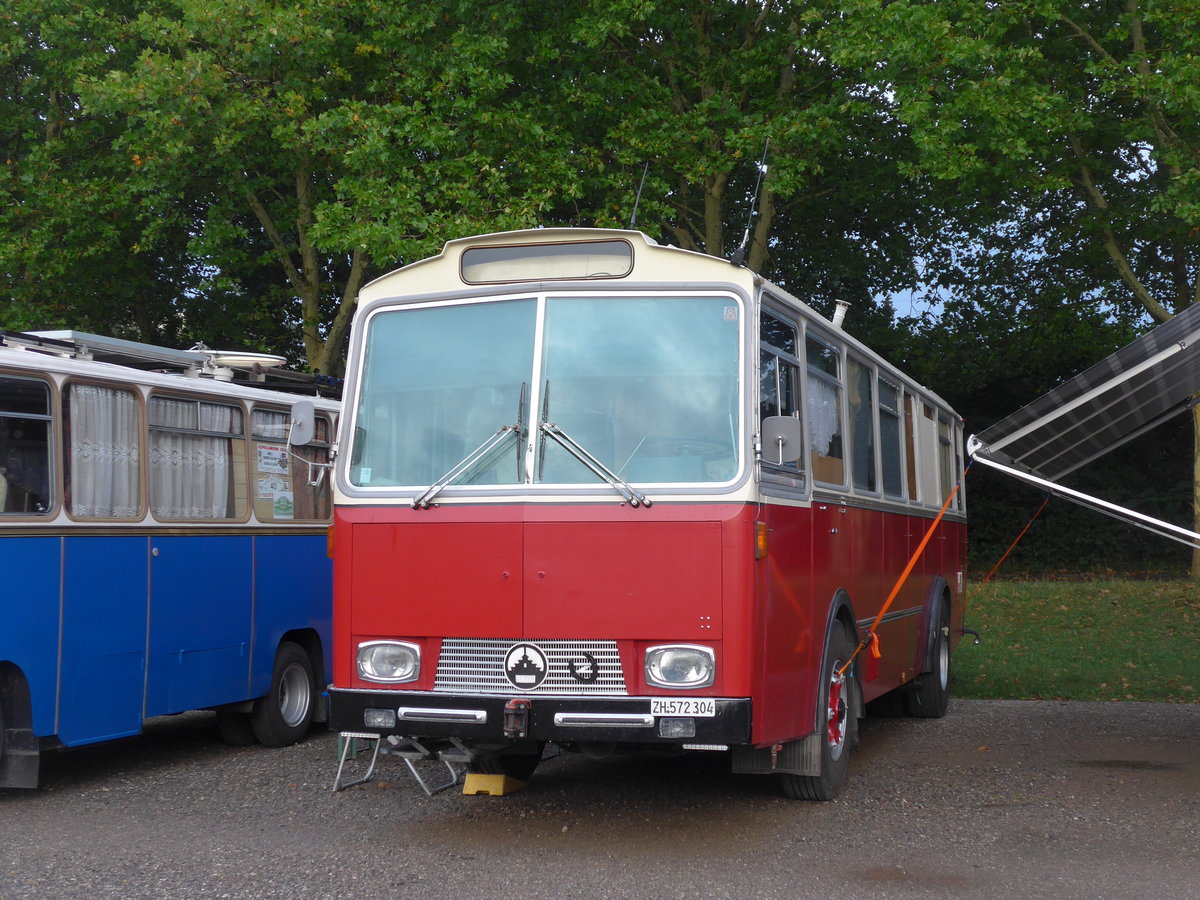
841	612
310	642
937	594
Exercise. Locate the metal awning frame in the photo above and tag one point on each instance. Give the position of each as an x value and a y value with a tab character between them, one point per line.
1184	536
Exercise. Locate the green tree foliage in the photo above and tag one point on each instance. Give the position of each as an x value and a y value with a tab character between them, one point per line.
691	94
236	169
323	139
70	225
1071	132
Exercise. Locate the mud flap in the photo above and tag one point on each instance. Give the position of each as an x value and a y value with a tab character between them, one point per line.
20	760
799	757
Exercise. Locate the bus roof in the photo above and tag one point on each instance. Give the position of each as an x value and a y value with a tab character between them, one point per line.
536	255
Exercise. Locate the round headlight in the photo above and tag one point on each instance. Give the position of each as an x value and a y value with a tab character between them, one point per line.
389	661
680	666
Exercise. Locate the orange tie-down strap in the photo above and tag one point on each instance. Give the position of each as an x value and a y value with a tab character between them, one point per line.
871	639
1013	545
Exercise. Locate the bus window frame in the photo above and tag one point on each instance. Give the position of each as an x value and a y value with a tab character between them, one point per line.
297	465
839	349
887	378
870	372
746	369
53	451
791	479
143	447
234	403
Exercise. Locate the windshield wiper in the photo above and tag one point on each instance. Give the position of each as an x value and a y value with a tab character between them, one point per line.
631	495
475	456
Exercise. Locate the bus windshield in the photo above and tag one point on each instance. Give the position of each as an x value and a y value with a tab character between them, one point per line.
647	386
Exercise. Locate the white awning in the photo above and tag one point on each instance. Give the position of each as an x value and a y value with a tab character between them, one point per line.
1120	398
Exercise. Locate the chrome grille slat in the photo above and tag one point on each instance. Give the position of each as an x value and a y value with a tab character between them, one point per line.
476	665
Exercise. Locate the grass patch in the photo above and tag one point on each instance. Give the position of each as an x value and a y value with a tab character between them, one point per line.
1092	640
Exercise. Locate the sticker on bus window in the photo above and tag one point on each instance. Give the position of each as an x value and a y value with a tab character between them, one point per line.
272	459
731	314
270	485
284	507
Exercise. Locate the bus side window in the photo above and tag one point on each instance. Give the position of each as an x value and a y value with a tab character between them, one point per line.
778	370
102	452
910	445
197	459
889	438
860	393
25	447
282	481
825	411
945	457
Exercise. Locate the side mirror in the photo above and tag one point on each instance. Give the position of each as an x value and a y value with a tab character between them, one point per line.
782	439
304	423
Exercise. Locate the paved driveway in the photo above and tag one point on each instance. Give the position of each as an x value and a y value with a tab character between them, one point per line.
1012	799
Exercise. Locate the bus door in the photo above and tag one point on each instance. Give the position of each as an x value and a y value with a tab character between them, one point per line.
103	637
201	617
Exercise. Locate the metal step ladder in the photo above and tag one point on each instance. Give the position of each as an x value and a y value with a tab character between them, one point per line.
410	750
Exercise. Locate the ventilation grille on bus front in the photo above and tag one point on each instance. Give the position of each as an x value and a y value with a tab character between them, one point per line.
476	665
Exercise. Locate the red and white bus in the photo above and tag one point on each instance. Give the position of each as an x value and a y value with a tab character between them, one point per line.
622	497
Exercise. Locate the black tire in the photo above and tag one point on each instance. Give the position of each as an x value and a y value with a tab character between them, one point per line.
284	715
520	766
891	705
236	728
840	729
930	698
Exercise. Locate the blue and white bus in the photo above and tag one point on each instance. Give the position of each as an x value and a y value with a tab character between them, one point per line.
163	547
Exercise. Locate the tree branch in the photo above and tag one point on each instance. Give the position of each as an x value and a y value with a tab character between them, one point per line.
1111	245
276	239
332	355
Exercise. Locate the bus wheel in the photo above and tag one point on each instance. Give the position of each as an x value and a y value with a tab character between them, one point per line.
839	725
931	697
282	717
236	728
520	766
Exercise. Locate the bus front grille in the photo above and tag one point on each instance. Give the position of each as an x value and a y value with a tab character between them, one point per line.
477	665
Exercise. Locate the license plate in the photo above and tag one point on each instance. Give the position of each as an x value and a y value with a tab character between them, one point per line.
696	707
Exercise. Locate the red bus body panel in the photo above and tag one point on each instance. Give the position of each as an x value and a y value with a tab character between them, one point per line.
672	573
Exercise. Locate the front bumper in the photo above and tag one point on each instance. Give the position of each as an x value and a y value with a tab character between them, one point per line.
480	718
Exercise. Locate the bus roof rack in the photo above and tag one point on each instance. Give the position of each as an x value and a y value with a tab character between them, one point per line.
253	369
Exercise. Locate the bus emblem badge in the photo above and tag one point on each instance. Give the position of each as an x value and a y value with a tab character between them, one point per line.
591	669
525	667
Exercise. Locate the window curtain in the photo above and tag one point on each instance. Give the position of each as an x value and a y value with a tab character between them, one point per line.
824	422
269	424
104	452
189	473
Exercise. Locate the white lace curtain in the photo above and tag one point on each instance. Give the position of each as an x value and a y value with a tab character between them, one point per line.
104	461
189	473
824	419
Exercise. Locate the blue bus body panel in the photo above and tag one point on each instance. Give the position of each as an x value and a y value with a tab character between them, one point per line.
294	576
201	617
104	638
30	604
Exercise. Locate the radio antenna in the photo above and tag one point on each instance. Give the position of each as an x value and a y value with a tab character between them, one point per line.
739	255
638	198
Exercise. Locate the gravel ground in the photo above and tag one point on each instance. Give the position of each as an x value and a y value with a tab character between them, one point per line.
1062	800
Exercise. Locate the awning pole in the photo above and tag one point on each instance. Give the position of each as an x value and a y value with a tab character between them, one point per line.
1165	529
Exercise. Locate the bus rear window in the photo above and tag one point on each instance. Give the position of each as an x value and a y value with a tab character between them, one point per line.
539	262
